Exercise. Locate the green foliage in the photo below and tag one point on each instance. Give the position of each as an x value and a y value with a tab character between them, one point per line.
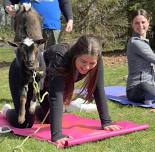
106	18
6	33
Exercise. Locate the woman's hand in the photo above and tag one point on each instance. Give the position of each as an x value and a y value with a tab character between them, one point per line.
61	142
112	127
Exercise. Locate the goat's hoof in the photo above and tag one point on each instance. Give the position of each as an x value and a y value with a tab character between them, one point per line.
21	119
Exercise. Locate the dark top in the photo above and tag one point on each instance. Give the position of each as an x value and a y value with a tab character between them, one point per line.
57	56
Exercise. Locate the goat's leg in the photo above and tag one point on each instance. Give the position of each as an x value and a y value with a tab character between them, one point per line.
22	111
36	96
33	104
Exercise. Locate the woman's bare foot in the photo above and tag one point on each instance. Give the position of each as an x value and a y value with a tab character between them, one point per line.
152	110
112	127
61	142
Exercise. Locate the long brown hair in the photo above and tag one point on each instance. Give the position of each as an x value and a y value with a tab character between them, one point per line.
86	44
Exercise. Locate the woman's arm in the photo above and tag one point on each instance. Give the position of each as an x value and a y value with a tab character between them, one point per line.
101	101
56	89
143	49
100	98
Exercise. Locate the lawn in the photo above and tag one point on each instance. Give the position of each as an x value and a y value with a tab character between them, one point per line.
6	54
142	141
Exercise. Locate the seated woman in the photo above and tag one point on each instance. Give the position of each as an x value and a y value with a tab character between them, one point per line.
65	66
141	77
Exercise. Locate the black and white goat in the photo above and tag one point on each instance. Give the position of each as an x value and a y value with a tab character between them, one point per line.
23	73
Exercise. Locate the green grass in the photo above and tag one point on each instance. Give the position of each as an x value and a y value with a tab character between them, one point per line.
6	54
142	141
4	87
115	75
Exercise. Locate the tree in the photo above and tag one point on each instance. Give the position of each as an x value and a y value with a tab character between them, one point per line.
107	18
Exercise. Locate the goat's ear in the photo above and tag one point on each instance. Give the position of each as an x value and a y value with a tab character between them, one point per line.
13	44
41	41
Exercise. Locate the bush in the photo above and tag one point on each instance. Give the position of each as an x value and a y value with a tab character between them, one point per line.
6	33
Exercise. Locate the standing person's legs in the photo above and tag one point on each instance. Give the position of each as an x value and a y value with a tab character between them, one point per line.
142	92
52	37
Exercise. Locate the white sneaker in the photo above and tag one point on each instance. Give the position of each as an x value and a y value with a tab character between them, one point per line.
5	129
5	108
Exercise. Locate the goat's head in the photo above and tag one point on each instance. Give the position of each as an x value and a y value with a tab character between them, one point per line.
27	51
27	23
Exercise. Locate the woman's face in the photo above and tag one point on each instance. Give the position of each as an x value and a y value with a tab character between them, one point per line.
140	25
85	63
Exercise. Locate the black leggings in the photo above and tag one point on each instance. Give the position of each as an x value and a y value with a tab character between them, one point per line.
141	92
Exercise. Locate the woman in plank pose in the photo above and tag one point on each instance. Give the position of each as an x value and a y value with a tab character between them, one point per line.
67	66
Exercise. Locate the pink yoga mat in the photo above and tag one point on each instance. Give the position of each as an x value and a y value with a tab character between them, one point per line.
81	129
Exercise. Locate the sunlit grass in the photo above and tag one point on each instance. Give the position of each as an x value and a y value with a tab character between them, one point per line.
4	86
6	54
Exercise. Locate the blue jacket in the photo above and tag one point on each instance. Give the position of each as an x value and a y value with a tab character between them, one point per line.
50	10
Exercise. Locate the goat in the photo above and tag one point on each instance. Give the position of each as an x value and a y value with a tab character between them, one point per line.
28	60
27	23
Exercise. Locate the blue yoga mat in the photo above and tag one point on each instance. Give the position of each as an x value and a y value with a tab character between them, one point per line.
118	94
